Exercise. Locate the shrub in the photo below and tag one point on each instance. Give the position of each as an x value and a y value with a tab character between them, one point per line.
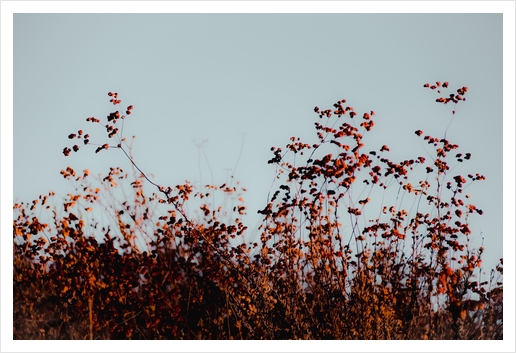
321	269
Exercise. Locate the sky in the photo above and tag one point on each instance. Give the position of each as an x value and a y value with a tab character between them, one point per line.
212	93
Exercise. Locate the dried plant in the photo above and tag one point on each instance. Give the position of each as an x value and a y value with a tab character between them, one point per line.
150	269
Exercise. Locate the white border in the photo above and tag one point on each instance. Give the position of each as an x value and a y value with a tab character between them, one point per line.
256	6
8	8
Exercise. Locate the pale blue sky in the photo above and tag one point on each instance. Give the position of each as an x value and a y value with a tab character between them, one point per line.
224	77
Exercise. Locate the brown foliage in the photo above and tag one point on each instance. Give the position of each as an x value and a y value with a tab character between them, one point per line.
319	270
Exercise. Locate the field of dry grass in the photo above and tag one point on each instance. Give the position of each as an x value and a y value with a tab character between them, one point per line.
319	270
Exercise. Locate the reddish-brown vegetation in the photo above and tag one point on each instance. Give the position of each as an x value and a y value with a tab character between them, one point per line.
319	271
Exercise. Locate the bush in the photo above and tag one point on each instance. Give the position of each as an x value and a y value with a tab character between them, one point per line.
319	271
